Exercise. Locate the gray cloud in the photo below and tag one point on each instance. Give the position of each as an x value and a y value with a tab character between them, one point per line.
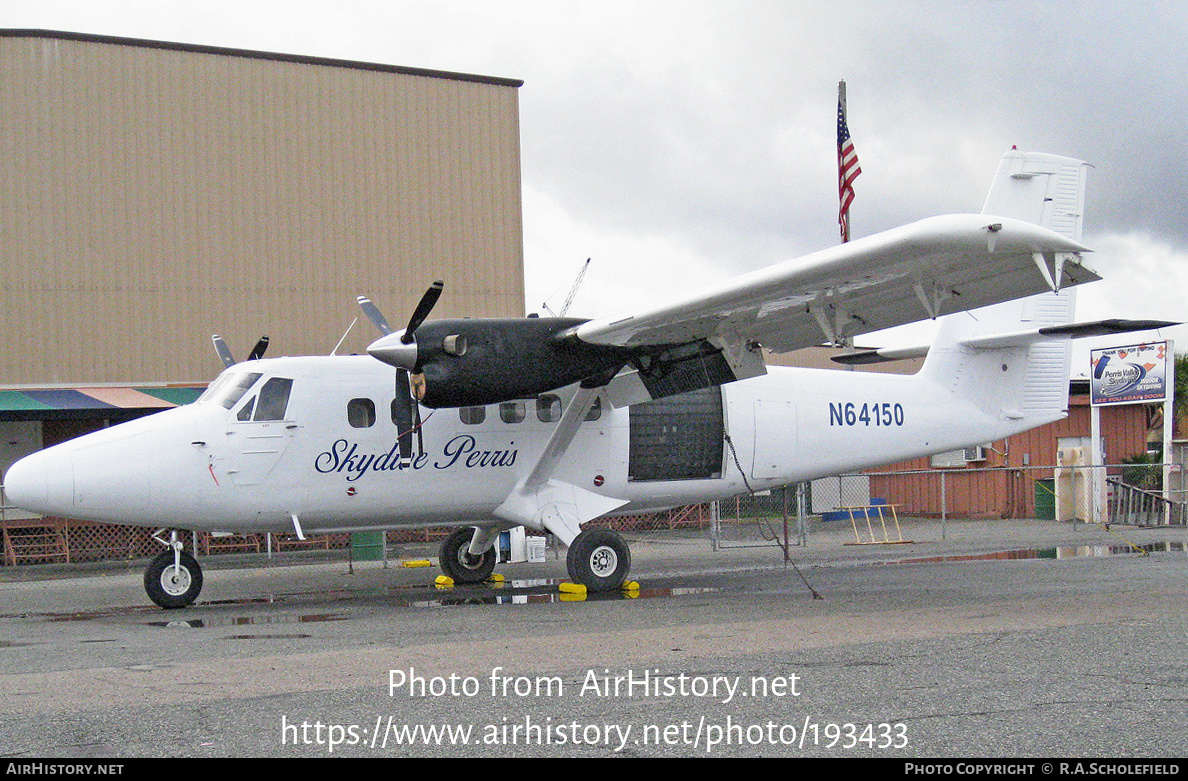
709	125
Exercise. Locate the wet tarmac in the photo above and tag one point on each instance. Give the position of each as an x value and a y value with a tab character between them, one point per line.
978	638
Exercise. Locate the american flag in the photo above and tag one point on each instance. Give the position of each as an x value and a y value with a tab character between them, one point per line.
847	164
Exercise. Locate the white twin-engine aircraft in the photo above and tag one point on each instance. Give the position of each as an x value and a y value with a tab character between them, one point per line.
488	424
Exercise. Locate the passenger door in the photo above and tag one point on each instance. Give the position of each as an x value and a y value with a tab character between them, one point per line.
260	431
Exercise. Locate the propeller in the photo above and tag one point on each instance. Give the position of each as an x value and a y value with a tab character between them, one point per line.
224	351
399	348
258	351
228	359
424	307
374	315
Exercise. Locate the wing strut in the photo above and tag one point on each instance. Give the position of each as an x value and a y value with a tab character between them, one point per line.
539	501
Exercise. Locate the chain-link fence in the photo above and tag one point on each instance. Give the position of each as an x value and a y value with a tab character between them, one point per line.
1117	493
874	504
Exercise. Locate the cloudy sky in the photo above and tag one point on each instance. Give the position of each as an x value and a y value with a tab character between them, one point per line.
678	143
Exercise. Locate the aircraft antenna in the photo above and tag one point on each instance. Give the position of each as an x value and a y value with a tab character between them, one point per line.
344	336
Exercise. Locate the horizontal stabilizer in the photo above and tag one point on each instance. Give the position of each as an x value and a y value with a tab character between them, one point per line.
880	355
1070	331
1106	328
1014	339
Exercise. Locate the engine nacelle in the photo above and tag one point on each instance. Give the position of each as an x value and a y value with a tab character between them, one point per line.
473	362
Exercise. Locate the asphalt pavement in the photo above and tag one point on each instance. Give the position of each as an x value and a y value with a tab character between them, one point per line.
1006	639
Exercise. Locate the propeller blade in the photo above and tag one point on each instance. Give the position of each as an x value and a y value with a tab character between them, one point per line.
374	315
223	350
258	351
422	311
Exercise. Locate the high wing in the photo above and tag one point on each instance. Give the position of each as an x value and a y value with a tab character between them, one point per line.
923	270
929	268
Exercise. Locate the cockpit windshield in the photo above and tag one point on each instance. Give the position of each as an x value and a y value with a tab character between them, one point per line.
229	388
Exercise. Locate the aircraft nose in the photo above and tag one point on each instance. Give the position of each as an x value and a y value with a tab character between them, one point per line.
42	482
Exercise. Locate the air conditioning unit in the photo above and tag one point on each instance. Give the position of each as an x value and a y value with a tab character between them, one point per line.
975	453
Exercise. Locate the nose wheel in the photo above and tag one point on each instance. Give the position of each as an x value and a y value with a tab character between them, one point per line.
173	580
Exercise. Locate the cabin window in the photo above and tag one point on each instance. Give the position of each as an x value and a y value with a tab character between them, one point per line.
595	411
274	399
361	413
472	416
548	408
511	411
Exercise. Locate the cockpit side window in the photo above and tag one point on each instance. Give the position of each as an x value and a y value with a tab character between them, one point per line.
274	399
229	388
245	412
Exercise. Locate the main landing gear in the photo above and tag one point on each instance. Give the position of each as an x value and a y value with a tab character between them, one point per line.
459	563
599	559
174	578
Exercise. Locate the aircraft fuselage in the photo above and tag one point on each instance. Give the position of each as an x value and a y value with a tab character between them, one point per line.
333	459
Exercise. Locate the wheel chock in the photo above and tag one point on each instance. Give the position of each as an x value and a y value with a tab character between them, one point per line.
444	581
572	588
495	578
417	563
629	585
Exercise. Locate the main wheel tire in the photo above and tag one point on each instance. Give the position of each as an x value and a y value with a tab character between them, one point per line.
173	586
459	564
599	559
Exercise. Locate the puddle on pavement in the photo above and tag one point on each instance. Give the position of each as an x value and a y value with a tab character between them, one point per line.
448	599
514	592
1057	552
267	637
208	623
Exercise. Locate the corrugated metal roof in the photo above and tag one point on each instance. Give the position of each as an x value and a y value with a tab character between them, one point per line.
258	55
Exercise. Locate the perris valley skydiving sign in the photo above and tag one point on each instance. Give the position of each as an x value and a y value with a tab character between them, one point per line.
1128	375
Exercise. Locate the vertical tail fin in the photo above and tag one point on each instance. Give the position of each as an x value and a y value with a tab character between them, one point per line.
1043	189
1024	382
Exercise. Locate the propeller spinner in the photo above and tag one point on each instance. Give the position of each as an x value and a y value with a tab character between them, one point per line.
399	348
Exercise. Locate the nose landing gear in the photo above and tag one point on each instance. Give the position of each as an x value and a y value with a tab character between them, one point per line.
174	578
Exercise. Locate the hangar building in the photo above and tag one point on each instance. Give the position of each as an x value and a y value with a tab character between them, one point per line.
158	193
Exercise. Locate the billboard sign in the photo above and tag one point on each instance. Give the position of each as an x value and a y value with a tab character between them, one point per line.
1129	375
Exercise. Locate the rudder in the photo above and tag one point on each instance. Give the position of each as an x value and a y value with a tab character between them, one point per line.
1023	382
1044	189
